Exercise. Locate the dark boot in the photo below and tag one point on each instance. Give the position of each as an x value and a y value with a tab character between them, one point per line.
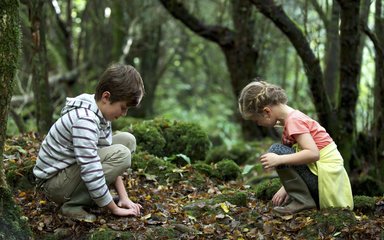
299	194
74	207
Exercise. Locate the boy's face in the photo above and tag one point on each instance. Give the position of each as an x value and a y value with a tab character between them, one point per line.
115	110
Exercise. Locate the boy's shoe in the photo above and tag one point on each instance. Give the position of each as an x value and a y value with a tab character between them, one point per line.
77	213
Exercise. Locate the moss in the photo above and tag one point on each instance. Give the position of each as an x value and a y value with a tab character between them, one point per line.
236	198
267	188
149	138
124	123
163	137
364	204
186	138
197	180
140	160
209	206
11	223
161	232
227	170
110	235
163	170
203	168
328	222
19	174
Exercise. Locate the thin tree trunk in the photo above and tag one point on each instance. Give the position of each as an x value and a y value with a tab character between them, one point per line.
43	105
349	77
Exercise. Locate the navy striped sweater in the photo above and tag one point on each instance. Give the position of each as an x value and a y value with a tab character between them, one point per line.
74	139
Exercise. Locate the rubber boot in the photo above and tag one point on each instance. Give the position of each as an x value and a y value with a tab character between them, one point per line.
299	195
74	207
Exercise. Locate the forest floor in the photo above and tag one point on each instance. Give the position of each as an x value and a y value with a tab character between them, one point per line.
167	212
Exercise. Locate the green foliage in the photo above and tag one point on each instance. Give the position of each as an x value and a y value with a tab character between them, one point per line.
364	204
267	188
227	170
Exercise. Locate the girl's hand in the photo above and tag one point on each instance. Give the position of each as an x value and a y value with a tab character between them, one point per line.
123	212
127	203
269	160
280	197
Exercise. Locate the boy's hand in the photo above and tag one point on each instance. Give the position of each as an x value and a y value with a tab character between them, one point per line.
121	211
127	203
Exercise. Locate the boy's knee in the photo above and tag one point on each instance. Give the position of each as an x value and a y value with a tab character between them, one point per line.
280	149
127	139
124	154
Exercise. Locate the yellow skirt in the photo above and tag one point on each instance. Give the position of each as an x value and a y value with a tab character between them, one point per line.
334	185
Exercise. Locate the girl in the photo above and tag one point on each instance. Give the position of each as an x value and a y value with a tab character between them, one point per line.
308	162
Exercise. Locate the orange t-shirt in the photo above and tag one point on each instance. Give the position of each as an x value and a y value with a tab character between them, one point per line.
299	123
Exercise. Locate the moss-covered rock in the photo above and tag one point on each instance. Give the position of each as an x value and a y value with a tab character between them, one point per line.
186	138
327	222
160	232
149	138
165	138
12	225
227	170
364	204
267	188
204	168
210	206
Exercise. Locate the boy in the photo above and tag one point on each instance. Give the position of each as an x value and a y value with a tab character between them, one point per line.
79	157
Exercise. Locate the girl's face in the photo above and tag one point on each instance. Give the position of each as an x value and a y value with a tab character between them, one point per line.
265	119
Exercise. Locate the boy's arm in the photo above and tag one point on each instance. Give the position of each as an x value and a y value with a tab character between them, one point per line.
124	200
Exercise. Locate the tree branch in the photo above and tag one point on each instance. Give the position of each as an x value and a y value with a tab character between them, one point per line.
220	35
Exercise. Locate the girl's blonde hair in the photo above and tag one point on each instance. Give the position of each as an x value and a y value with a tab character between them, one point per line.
257	95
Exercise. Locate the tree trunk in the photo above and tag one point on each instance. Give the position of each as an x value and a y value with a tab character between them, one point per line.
349	77
237	46
332	55
41	88
10	223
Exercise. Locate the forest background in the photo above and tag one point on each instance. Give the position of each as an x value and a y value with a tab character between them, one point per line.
196	56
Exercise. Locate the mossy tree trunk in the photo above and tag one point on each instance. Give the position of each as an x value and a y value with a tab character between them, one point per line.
11	226
44	109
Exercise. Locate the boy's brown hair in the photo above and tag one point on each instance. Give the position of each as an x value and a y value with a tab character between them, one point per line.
123	82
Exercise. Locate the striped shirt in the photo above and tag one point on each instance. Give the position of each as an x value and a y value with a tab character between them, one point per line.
74	139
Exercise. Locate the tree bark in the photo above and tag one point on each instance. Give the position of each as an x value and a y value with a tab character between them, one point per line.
11	224
349	76
237	46
41	90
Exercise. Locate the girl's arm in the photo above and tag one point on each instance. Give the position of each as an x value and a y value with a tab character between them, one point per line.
309	153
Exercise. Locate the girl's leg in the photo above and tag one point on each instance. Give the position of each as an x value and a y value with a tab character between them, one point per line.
309	178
